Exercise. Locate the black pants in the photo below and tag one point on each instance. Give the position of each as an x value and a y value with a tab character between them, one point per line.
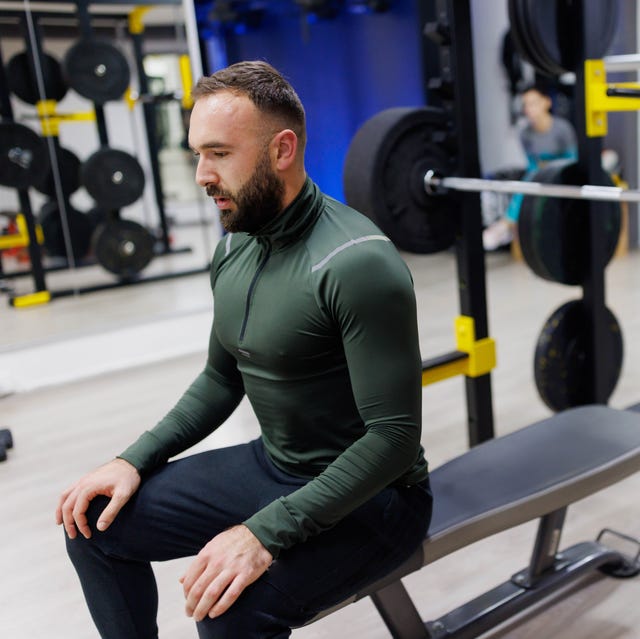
184	504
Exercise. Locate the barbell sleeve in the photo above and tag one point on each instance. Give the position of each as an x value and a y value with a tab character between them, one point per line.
626	62
435	184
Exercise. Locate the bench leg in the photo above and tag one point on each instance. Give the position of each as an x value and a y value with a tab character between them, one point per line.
399	613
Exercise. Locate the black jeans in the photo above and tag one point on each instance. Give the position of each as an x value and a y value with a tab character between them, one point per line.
184	504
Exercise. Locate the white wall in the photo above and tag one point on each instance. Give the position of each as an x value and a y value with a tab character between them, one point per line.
498	142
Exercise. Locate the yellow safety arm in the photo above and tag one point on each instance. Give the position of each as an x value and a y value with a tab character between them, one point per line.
21	238
136	22
480	355
186	78
598	103
50	121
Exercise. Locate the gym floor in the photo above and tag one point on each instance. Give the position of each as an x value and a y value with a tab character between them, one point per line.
94	370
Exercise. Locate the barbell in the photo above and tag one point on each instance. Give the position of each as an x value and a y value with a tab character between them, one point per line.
435	184
399	172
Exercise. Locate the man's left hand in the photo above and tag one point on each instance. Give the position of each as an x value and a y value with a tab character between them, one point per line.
222	570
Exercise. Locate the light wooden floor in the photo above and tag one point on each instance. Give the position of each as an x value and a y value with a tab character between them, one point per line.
62	431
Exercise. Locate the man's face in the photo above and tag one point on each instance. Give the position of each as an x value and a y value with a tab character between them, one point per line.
235	167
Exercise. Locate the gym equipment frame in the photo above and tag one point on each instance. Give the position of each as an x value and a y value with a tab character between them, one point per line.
402	162
50	121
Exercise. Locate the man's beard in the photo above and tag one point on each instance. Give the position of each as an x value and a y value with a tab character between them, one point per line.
258	201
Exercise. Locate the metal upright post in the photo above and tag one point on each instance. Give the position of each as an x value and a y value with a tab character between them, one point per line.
23	194
469	248
84	18
136	29
589	160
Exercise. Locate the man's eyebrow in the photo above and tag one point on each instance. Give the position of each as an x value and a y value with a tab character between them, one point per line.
214	145
211	145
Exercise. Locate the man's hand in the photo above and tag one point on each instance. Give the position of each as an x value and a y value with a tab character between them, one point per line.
222	570
117	479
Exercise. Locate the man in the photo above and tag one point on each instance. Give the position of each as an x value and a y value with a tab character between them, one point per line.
315	321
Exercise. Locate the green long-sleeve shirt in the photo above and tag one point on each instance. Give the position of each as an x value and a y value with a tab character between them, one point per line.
315	320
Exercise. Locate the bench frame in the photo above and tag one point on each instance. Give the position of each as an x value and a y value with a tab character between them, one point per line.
548	572
609	443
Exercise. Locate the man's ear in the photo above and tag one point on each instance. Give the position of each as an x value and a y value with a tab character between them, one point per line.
286	146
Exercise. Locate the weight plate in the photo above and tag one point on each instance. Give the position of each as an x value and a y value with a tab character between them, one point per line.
384	177
521	36
22	79
113	178
546	33
540	26
563	361
554	232
531	210
79	227
23	156
69	171
98	216
96	70
123	247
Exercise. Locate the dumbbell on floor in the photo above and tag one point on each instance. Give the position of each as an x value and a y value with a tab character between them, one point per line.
6	442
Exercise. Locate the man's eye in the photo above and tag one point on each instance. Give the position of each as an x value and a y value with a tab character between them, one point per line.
220	154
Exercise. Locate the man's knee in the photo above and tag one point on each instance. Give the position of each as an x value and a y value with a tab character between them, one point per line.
78	547
261	611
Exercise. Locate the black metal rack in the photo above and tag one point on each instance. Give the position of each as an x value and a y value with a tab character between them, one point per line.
454	90
80	20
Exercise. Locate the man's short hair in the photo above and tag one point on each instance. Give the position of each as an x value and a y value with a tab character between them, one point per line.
264	86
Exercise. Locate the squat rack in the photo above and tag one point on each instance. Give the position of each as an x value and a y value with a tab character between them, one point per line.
30	236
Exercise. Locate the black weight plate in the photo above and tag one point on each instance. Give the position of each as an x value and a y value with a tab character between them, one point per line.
384	172
96	70
521	36
532	210
98	216
540	26
113	178
22	81
69	171
554	232
563	361
23	156
79	227
123	247
553	28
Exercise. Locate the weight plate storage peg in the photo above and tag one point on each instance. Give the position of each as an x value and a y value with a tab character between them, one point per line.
123	247
384	177
563	361
113	178
22	80
23	156
554	233
96	70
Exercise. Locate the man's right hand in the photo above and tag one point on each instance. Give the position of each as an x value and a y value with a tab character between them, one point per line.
117	480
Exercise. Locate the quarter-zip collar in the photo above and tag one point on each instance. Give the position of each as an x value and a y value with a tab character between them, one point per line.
295	220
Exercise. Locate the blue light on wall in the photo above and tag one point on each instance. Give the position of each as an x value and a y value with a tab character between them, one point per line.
345	70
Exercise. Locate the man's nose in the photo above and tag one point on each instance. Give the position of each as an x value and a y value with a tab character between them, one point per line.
204	174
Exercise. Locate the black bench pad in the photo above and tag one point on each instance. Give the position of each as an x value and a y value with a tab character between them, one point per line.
529	473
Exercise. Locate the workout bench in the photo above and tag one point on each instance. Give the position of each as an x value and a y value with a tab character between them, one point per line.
536	472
